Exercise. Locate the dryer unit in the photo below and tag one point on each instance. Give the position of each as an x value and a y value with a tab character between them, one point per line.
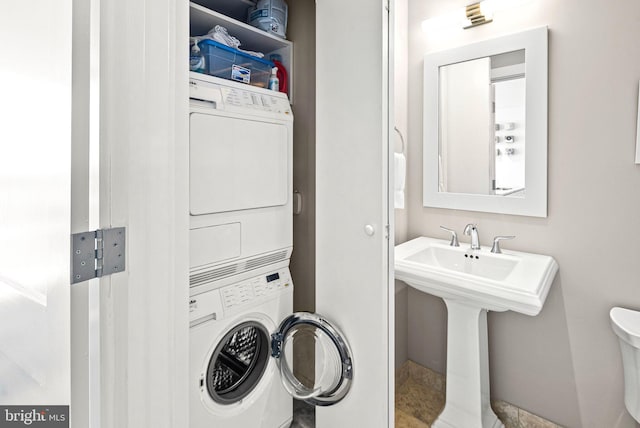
240	178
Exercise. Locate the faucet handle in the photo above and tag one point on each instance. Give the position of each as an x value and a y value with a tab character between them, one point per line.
496	243
454	236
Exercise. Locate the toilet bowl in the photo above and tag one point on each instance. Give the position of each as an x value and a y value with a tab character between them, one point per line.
626	324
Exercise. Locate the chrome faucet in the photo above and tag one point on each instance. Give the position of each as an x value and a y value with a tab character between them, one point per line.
496	243
472	230
454	236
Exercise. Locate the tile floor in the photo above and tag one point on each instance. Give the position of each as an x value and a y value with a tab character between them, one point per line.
420	397
304	415
417	405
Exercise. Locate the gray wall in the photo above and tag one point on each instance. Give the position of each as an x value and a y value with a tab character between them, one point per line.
301	30
565	363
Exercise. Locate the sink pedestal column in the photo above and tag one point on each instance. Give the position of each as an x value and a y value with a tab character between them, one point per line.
468	400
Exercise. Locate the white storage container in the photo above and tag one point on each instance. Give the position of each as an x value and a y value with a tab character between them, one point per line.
270	16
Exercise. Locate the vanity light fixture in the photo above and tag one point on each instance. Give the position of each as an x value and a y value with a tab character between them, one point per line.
472	15
467	17
477	14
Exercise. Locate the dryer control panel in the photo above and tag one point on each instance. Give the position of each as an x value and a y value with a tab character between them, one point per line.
235	97
253	100
212	304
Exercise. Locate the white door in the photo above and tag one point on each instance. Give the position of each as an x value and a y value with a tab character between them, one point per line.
35	210
352	216
144	111
46	190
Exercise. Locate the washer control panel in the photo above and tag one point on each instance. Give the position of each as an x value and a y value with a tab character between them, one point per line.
212	304
255	288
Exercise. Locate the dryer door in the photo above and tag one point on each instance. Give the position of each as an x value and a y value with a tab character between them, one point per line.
311	334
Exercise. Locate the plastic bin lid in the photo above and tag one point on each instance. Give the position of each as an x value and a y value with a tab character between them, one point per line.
236	51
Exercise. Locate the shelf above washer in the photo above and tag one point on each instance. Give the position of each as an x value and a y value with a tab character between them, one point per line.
236	9
251	38
202	19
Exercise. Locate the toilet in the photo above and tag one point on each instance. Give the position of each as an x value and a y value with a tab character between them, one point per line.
626	324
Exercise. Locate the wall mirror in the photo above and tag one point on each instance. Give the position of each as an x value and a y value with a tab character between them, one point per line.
485	126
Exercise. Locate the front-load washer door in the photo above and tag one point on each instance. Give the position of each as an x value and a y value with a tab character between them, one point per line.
322	343
237	363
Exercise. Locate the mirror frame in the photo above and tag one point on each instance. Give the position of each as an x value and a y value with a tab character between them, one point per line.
534	203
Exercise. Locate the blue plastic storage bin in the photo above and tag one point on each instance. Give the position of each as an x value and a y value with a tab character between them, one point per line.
228	63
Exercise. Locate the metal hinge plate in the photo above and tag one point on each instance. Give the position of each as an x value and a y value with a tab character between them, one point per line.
97	253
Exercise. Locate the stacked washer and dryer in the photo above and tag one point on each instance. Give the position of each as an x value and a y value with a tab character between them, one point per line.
243	331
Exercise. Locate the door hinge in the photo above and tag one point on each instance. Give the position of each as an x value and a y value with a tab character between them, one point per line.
276	344
97	253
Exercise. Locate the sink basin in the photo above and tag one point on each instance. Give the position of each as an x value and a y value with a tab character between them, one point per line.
513	280
451	258
472	282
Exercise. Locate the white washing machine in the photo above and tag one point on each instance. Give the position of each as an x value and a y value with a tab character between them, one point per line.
243	337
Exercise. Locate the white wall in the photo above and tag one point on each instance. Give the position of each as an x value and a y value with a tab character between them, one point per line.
563	364
400	94
35	202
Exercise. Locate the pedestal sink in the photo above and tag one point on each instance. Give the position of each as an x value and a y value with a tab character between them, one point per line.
471	282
